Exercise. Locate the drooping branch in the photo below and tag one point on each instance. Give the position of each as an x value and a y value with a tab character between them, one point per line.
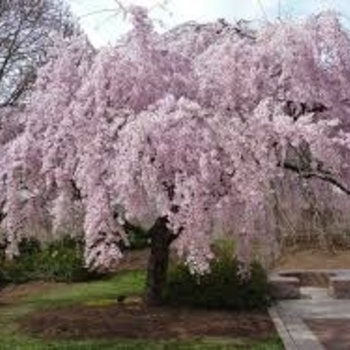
295	110
319	174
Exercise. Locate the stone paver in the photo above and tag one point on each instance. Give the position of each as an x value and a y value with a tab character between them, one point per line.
294	332
292	316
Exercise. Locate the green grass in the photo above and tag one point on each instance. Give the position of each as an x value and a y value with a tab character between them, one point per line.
128	283
28	344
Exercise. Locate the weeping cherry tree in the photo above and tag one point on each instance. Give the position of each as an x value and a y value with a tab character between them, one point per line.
180	131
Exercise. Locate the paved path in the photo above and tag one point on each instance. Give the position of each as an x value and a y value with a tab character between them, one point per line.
326	316
333	333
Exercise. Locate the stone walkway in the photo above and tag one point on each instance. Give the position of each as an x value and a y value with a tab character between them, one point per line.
328	318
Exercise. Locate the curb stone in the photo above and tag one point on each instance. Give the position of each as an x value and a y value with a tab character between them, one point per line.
294	333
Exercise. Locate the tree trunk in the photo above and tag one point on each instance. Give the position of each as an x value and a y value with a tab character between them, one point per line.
161	238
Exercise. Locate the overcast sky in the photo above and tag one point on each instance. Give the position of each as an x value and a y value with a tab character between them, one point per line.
103	25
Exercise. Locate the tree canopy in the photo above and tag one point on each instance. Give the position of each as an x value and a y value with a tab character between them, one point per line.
194	125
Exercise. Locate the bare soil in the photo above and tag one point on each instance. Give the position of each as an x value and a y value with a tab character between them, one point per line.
137	321
134	260
314	259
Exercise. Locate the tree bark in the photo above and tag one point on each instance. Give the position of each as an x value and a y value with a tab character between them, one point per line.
161	238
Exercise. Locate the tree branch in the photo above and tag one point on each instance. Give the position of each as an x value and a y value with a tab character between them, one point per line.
319	174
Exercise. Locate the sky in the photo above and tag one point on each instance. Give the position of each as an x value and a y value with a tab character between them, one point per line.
104	25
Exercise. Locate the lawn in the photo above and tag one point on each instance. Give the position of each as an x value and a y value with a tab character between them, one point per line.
100	294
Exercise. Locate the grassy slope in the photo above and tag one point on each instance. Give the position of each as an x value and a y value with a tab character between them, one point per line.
129	283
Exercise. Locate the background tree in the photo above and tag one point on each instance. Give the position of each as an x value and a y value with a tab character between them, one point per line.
181	133
27	31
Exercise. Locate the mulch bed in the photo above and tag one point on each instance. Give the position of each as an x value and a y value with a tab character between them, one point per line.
334	334
138	321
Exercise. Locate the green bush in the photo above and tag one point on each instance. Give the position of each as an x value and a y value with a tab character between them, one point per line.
138	238
2	275
221	288
60	261
13	272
